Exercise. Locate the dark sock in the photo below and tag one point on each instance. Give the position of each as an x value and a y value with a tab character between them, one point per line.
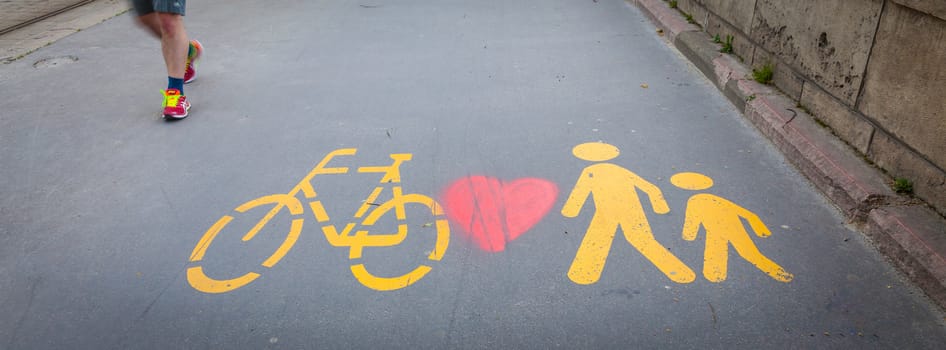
176	83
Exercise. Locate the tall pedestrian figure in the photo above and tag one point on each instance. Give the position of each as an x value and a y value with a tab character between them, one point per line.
165	20
617	206
722	223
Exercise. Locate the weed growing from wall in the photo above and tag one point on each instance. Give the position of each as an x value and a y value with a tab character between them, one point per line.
727	45
763	74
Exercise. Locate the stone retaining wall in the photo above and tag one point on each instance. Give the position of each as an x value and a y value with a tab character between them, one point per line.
874	71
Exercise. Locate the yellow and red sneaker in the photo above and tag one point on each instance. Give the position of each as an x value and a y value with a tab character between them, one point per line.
175	104
192	56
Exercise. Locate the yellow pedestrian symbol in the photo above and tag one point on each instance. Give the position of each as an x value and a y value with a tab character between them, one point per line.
722	224
617	206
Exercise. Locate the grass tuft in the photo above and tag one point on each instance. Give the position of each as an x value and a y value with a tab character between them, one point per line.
764	74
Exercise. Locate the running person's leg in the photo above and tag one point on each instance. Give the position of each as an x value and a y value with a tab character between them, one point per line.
164	19
148	19
146	16
194	51
174	48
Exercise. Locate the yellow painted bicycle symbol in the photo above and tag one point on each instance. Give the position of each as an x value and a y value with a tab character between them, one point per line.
356	242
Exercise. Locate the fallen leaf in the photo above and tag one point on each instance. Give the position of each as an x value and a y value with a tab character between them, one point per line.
644	85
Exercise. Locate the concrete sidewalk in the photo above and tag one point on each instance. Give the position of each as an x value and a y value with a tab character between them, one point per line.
30	25
18	13
909	233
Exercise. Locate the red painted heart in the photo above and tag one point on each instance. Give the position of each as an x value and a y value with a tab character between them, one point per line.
493	212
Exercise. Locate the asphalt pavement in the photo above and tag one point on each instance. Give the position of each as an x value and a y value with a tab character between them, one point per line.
449	174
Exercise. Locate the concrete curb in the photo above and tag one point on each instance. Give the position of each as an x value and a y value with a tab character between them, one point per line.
912	236
669	20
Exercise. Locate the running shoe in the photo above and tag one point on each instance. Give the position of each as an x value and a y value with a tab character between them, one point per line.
175	104
192	56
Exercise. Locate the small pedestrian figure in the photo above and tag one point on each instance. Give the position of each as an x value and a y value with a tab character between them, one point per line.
617	206
723	225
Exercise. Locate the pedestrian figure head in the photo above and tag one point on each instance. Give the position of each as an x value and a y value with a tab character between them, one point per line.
595	151
692	181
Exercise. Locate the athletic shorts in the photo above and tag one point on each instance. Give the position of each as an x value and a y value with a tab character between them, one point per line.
144	7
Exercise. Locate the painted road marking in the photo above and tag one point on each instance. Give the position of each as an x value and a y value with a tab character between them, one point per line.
722	223
356	242
493	213
617	206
